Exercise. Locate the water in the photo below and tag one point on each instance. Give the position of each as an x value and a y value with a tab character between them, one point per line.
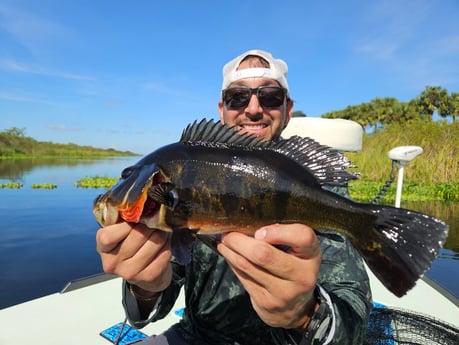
48	236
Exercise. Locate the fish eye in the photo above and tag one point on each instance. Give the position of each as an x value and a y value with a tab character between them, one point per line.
126	172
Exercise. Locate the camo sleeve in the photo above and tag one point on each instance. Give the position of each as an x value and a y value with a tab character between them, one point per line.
344	278
163	306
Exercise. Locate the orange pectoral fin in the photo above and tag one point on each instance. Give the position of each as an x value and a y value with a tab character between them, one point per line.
134	212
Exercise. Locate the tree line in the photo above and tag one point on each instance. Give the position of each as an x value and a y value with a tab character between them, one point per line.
381	112
15	144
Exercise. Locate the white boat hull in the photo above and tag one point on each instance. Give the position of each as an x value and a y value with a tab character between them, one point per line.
78	316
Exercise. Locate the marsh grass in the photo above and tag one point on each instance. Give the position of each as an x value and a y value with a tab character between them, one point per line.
433	175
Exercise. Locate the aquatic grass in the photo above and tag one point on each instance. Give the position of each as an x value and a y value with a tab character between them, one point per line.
44	186
415	191
96	182
11	185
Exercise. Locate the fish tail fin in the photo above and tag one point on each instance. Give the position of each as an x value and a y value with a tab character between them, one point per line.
406	243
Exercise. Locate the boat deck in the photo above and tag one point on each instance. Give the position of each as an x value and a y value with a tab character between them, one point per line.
90	306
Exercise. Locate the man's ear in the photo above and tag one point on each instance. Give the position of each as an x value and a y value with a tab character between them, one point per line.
220	111
289	111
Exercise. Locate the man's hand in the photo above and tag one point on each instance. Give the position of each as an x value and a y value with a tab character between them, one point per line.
280	283
136	253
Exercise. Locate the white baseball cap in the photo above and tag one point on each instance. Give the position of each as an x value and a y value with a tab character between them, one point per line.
277	70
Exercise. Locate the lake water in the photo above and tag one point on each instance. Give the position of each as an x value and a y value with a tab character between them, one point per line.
48	236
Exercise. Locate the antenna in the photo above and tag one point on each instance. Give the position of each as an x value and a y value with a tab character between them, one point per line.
402	155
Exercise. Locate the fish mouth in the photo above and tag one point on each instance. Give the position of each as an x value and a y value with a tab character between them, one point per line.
147	207
130	200
142	210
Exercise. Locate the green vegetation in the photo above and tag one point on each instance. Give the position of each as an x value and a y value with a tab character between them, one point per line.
298	113
366	191
44	186
437	164
11	185
14	144
433	175
381	112
96	182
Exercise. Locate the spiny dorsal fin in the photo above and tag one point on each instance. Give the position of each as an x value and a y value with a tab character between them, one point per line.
326	164
217	134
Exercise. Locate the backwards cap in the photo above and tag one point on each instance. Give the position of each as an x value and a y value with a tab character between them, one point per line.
277	69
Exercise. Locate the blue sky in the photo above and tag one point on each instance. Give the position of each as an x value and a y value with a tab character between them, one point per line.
131	74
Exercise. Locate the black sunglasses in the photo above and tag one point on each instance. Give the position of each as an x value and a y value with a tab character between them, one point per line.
268	96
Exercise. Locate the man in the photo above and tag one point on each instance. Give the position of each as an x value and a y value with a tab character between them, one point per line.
253	292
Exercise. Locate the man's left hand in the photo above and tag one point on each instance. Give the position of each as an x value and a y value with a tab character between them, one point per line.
280	283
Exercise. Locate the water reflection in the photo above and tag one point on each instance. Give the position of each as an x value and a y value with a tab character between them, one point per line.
15	169
448	212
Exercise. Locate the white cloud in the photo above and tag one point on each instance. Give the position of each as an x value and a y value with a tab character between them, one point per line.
22	98
31	31
12	65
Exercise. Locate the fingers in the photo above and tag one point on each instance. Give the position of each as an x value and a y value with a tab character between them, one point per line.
245	252
258	259
258	263
301	239
280	284
142	243
254	278
108	238
135	252
155	276
144	255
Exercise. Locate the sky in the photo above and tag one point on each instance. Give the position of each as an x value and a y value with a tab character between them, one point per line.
131	75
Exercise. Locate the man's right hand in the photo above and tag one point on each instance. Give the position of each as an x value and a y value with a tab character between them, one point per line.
136	253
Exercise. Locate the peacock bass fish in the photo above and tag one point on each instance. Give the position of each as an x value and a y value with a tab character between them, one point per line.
216	180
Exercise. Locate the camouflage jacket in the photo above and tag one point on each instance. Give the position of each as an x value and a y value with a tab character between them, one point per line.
218	309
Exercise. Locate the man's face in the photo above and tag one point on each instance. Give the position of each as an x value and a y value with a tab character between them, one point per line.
253	118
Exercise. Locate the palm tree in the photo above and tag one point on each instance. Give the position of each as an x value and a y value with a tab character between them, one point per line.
433	98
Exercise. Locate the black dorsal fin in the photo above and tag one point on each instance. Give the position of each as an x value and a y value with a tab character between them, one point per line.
327	165
218	134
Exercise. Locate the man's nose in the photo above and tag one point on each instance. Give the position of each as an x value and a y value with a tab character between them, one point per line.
254	107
